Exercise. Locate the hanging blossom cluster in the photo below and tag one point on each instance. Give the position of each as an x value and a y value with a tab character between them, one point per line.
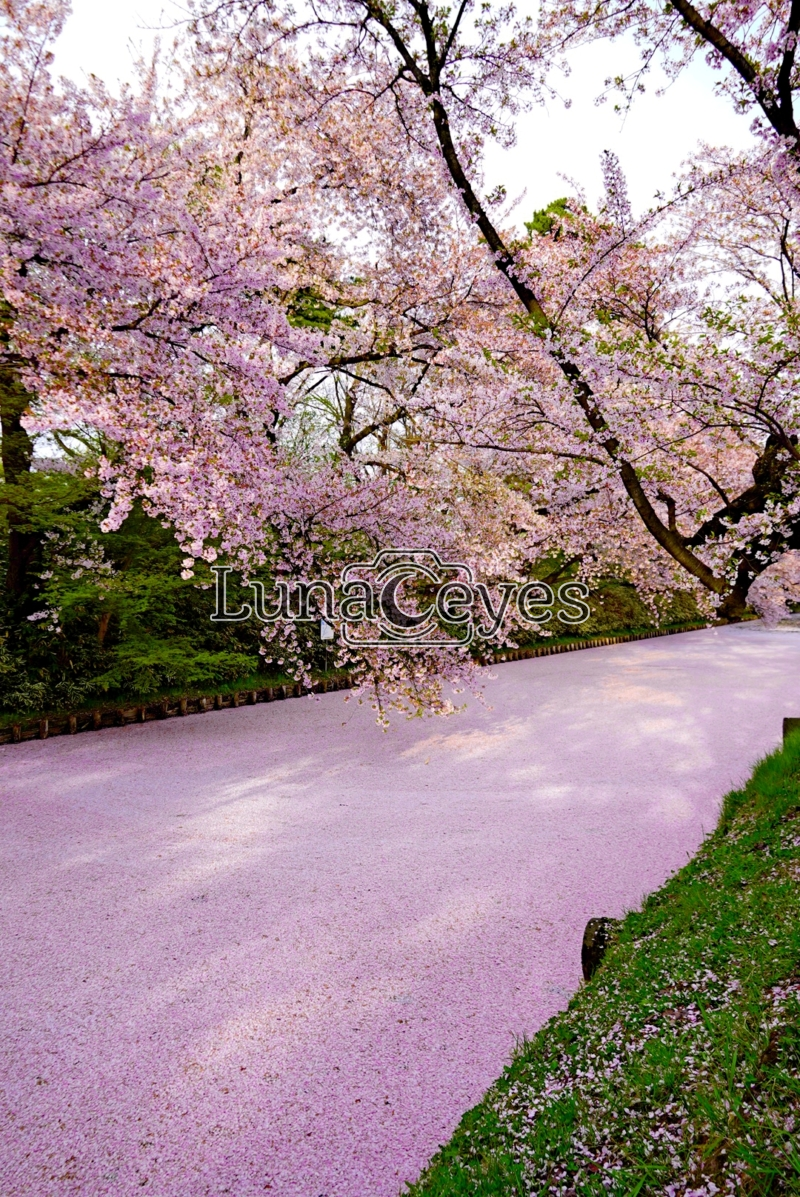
175	280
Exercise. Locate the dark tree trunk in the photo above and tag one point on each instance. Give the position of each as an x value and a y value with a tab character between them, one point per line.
17	452
733	607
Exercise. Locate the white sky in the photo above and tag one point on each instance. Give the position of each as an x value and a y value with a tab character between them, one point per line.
652	142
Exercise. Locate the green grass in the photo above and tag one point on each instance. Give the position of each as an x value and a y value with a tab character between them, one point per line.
253	681
676	1069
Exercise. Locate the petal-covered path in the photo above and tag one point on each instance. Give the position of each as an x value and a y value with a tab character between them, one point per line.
276	950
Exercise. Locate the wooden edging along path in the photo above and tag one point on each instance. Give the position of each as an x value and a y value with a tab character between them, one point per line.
168	708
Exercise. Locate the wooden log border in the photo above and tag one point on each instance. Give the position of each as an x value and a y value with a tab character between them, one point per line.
39	728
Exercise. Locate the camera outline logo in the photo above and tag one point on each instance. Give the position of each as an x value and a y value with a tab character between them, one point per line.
374	601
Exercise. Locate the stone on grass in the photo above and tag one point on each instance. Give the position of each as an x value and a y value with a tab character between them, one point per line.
596	938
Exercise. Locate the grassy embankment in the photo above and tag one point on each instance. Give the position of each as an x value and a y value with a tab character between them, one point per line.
676	1069
251	681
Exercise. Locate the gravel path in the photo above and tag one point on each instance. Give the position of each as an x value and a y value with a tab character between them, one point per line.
276	950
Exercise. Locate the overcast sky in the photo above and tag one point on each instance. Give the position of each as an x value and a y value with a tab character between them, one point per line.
651	142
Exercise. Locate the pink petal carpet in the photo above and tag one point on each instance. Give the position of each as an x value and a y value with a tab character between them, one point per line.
276	950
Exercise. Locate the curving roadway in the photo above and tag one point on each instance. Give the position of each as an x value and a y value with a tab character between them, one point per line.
275	950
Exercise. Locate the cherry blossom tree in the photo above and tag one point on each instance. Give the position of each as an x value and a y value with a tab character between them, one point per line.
175	280
752	45
275	289
631	366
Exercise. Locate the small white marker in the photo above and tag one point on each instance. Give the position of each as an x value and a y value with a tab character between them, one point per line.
325	630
